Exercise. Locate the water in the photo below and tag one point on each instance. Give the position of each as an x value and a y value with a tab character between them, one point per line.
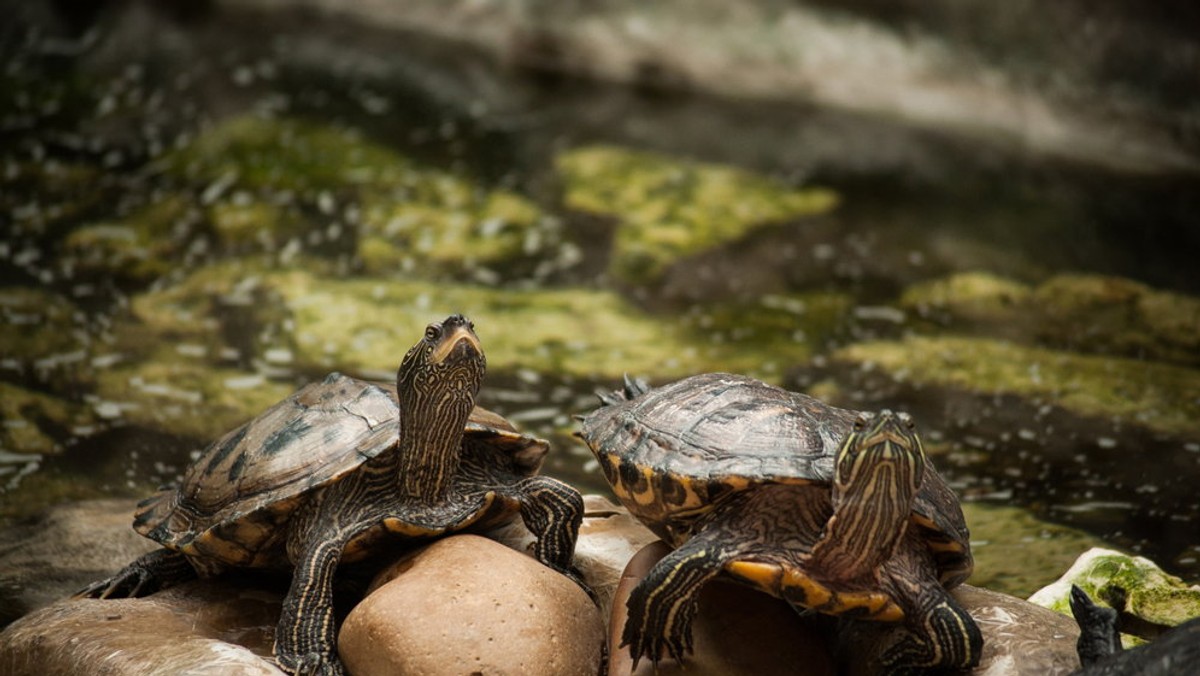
88	124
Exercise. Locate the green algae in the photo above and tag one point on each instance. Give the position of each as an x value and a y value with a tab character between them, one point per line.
1017	553
140	247
1159	396
37	423
669	208
186	397
1131	584
1087	313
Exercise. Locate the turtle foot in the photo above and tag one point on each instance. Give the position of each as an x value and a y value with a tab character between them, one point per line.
311	664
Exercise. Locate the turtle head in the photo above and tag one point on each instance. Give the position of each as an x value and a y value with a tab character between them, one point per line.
447	362
436	387
882	455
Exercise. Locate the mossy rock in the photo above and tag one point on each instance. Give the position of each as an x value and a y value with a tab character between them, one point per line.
670	208
1161	397
45	197
1018	553
186	397
1131	584
138	248
1086	313
43	335
37	423
437	222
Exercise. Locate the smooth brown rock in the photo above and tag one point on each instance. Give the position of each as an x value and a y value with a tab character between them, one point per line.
737	631
1019	638
195	628
56	553
466	604
608	539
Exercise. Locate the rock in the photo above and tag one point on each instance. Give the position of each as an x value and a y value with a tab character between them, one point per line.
466	604
1133	585
608	538
195	628
1084	313
55	554
37	423
138	248
737	631
672	208
1019	638
43	336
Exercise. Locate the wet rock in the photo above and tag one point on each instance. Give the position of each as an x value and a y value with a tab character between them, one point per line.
737	630
208	627
466	604
1087	313
56	553
1019	638
1135	586
670	209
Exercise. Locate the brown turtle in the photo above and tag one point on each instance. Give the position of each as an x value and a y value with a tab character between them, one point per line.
830	509
337	468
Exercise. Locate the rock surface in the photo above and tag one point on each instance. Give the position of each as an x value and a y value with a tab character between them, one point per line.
466	604
737	631
1019	638
195	628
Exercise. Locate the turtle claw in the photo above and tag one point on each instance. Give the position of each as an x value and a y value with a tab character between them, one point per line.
310	664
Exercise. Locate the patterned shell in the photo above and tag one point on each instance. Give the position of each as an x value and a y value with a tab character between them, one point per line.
243	486
672	452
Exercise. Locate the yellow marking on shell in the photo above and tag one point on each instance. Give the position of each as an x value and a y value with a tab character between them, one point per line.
649	496
736	482
765	576
402	527
947	546
877	606
816	595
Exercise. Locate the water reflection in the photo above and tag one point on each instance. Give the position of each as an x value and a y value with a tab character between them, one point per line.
198	227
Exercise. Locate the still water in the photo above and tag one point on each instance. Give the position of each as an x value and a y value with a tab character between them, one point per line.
199	221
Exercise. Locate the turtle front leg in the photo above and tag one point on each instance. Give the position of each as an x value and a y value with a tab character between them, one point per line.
940	635
306	636
149	573
553	512
662	605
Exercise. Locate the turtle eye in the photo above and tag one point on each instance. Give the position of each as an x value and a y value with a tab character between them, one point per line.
861	421
433	331
907	420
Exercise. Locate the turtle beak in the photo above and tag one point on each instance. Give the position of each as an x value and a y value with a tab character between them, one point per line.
458	340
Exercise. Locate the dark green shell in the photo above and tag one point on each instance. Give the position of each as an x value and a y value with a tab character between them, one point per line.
234	497
672	452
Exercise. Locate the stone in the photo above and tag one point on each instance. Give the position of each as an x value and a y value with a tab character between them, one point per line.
466	604
1019	638
58	552
201	627
737	631
672	208
1134	585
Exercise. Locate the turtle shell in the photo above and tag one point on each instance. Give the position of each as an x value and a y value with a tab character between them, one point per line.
671	453
236	495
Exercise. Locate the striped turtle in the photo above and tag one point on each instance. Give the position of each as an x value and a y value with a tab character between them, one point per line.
829	509
341	466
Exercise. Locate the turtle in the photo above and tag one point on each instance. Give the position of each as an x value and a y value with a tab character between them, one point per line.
832	510
338	469
1101	654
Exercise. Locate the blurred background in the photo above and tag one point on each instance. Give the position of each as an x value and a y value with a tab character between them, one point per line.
983	213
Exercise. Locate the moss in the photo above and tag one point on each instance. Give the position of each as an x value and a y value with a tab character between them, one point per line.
1017	553
671	208
1087	313
37	324
140	247
190	398
1132	584
255	224
970	296
35	422
1159	396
